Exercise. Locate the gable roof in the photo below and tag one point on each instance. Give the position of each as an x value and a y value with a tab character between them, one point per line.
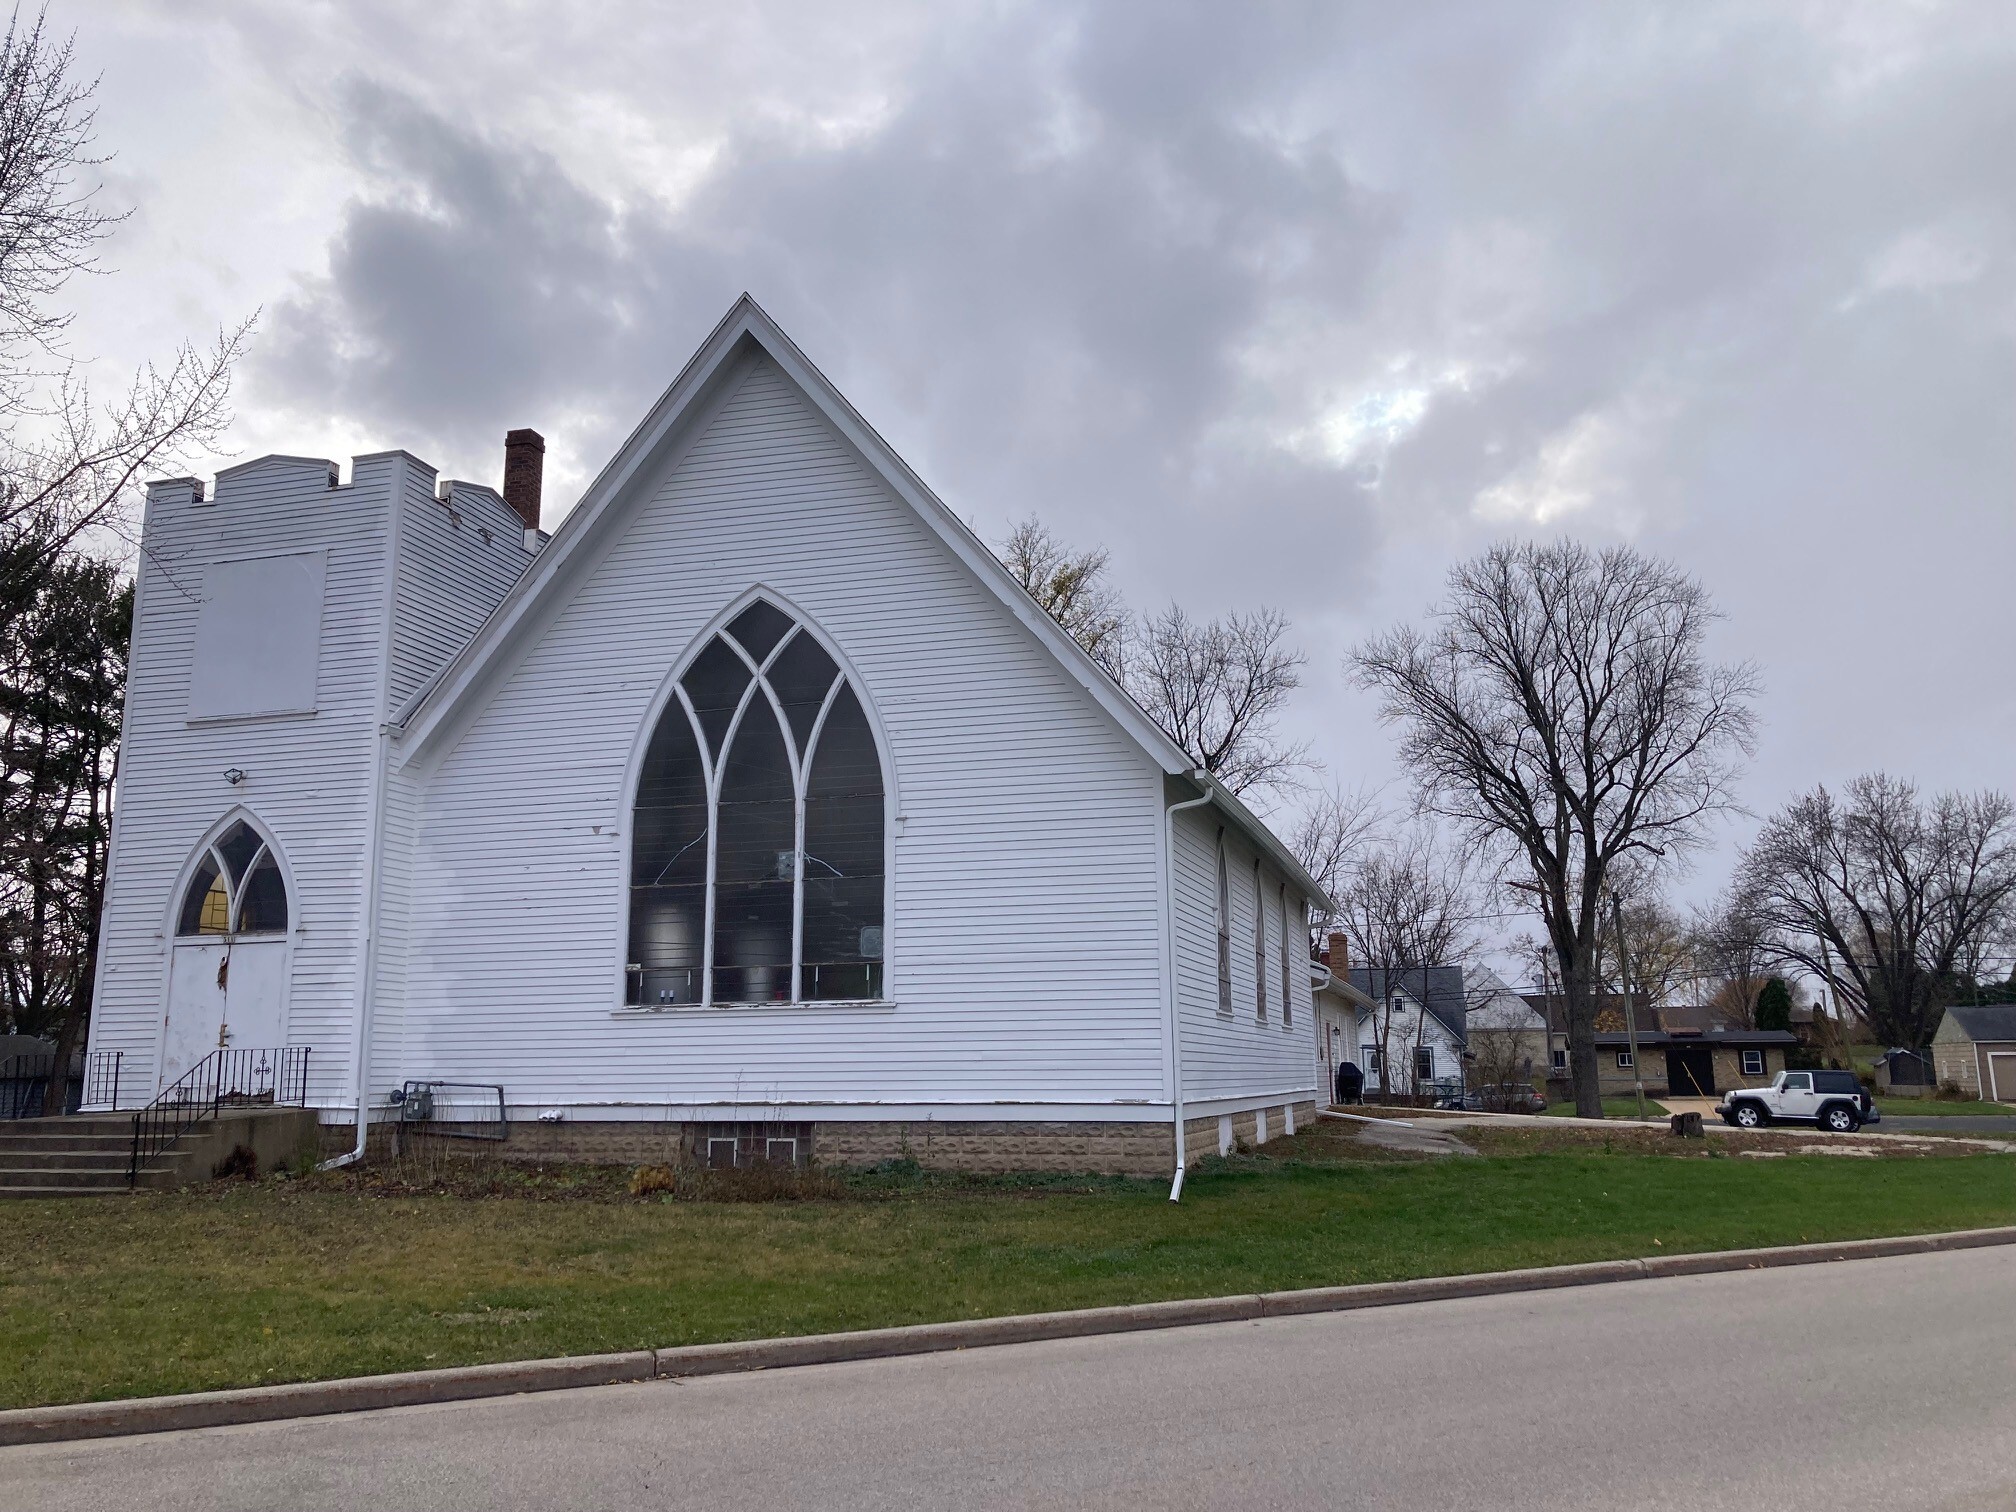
1985	1021
673	423
1490	1003
1437	988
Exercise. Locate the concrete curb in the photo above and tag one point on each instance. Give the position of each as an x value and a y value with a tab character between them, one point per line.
259	1404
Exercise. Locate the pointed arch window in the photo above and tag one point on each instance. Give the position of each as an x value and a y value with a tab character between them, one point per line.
757	839
1224	930
236	888
1259	947
1287	966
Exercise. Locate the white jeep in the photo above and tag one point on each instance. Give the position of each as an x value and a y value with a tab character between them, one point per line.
1832	1099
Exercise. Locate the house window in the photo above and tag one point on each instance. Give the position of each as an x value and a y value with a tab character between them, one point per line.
237	888
757	841
1623	1060
1560	1060
1259	948
1753	1062
1287	965
1424	1063
1224	931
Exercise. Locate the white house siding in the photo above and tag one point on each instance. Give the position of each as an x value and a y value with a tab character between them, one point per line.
1409	1026
457	556
1023	943
307	773
1234	1057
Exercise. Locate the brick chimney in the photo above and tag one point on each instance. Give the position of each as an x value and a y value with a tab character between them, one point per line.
524	470
1339	955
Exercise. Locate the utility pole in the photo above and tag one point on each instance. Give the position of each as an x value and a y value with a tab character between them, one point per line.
1630	1018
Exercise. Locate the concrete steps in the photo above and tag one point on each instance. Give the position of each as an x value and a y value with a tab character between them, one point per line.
89	1154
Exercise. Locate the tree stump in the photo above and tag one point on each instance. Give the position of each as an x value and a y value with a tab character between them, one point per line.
1688	1126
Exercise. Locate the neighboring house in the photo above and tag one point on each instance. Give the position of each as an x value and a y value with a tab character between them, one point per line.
1553	1008
1414	1033
1340	1009
1691	1063
1506	1035
757	804
1975	1048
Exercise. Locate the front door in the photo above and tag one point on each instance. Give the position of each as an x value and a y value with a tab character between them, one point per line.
195	1025
227	981
1690	1070
226	996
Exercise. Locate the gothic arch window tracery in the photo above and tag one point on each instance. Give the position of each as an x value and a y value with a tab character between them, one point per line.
757	837
236	888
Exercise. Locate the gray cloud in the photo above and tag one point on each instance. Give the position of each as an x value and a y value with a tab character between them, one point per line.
1285	303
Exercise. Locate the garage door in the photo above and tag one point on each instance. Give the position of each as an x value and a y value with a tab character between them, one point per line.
2002	1075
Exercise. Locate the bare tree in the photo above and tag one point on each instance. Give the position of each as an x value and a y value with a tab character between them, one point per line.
1330	834
1888	898
1071	586
1660	946
69	470
1407	906
69	464
1561	710
1217	687
1734	957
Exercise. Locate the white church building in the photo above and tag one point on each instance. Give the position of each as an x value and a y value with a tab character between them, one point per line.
758	802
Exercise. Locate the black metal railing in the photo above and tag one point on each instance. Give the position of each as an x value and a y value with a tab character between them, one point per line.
25	1085
222	1079
101	1078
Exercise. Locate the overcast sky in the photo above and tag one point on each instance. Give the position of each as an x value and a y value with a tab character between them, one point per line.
1286	305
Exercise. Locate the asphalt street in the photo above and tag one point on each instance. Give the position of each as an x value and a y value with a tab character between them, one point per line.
1866	1384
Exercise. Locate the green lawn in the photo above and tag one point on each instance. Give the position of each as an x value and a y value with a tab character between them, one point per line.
1932	1107
1613	1107
233	1285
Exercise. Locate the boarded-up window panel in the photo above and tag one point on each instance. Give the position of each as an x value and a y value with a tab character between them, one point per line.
258	637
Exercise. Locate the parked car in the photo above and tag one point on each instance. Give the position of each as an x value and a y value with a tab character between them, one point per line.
1500	1097
1833	1100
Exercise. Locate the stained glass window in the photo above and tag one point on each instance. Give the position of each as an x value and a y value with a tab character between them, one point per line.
236	888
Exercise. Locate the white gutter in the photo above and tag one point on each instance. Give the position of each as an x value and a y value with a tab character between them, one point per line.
374	818
1169	972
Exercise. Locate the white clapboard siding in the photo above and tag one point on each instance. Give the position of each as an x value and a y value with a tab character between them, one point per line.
460	550
1023	946
309	776
1235	1055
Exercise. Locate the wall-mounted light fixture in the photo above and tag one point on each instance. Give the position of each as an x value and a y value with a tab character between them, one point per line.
234	775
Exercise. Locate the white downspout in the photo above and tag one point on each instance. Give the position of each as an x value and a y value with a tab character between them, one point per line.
1203	779
374	818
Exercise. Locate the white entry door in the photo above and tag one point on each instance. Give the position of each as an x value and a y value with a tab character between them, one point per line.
195	1025
227	983
226	996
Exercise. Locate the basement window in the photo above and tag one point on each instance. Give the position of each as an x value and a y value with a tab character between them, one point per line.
722	1146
